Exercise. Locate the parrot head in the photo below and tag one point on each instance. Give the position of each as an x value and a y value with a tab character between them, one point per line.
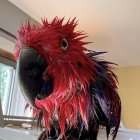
51	60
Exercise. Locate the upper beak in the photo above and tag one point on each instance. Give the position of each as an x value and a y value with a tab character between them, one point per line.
30	68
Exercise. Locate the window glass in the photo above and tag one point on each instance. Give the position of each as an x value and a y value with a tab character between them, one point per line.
13	102
6	85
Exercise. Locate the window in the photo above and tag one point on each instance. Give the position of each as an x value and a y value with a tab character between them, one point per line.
18	102
13	102
6	85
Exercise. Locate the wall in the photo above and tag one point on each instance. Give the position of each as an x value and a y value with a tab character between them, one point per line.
6	44
11	18
129	90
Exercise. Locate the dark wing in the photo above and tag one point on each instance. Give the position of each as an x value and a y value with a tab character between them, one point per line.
105	96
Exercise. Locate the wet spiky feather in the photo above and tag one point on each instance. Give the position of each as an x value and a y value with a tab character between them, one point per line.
84	93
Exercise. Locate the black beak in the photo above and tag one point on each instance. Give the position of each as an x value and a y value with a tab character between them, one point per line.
30	67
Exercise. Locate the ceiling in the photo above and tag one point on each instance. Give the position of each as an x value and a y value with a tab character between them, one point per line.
113	25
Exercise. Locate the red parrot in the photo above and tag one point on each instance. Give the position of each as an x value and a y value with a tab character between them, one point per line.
71	89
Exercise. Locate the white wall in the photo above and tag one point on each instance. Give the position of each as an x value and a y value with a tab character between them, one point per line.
6	44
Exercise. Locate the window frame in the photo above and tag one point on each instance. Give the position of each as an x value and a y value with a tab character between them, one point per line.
7	58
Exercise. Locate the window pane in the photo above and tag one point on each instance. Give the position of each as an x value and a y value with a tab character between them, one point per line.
3	80
13	102
6	82
18	102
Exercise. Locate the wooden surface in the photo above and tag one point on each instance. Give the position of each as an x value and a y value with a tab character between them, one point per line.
7	55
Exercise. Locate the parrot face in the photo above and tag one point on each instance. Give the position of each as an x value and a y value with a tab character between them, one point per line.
50	59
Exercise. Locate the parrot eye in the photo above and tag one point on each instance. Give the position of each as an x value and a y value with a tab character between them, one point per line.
64	44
